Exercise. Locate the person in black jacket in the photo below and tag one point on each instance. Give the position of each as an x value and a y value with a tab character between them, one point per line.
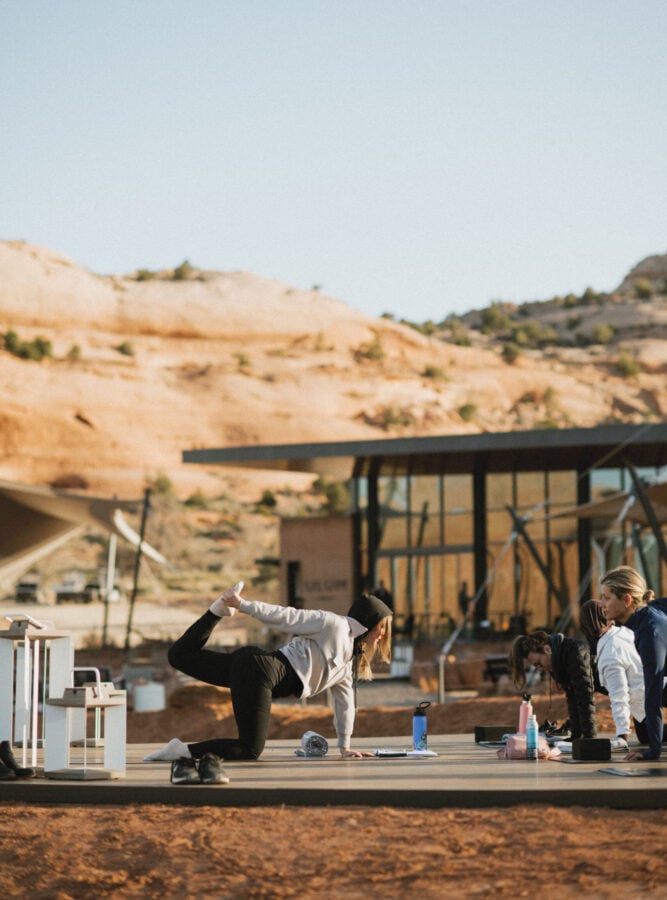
566	660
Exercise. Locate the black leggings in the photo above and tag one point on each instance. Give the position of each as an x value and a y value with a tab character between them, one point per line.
254	677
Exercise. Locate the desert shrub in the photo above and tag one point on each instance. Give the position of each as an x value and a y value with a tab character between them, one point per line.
571	300
183	272
590	296
433	372
337	495
268	500
395	416
125	348
467	411
549	396
197	500
372	351
534	334
35	350
602	333
643	288
573	322
511	352
11	341
161	484
627	365
495	319
74	353
427	328
144	275
320	343
242	360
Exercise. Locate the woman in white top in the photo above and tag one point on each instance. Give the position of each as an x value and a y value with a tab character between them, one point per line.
619	669
326	651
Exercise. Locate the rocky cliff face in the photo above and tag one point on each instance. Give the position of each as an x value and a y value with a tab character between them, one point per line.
139	368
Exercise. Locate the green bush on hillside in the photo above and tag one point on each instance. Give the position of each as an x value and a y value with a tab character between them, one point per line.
35	350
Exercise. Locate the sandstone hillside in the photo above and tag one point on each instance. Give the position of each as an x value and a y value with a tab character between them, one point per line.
143	366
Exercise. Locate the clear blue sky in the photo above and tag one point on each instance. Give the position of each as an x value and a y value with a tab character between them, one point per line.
418	157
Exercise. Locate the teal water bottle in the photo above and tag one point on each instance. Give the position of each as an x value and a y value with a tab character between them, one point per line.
531	737
419	729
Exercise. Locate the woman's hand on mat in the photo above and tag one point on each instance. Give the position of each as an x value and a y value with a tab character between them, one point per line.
356	754
633	756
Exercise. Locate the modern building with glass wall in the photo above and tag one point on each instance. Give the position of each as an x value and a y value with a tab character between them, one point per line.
519	523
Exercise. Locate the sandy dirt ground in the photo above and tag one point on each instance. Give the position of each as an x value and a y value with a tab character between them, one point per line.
173	852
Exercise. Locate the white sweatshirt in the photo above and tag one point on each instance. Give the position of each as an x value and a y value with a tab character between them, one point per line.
320	652
621	673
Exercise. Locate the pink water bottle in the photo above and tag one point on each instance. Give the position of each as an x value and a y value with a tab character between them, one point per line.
525	710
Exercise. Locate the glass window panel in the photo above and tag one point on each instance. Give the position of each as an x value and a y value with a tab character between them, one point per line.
499	527
394	533
529	489
425	490
562	489
605	482
458	493
458	529
458	517
425	530
393	492
499	491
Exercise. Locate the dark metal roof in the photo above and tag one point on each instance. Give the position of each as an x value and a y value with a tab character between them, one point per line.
548	449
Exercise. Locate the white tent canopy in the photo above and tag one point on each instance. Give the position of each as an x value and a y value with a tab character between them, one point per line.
35	520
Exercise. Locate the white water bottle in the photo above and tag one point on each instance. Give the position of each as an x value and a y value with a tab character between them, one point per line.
531	738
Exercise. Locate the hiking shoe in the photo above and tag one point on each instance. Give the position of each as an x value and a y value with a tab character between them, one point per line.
184	771
9	762
211	771
619	743
551	729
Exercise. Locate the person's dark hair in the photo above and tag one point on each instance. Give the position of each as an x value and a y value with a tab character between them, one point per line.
593	623
522	646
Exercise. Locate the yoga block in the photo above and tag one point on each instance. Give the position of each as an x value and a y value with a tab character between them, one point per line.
598	749
492	732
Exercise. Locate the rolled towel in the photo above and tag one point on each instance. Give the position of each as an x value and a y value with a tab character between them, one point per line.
313	744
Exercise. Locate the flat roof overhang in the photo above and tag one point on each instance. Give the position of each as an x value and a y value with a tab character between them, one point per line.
540	450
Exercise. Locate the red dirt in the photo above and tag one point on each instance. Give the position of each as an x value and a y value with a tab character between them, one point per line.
168	852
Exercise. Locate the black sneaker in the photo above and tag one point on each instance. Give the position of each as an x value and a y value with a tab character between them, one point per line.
552	730
184	771
8	762
211	771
